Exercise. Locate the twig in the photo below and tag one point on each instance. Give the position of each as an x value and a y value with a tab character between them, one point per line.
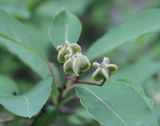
90	83
6	120
67	99
52	74
75	82
68	89
53	82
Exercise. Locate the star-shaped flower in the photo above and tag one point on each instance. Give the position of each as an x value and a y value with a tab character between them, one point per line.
103	70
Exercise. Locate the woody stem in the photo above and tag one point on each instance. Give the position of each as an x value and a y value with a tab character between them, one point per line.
76	81
90	83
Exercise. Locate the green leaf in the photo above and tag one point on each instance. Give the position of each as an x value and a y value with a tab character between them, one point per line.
51	8
135	72
117	103
7	87
15	9
30	103
65	26
20	42
145	23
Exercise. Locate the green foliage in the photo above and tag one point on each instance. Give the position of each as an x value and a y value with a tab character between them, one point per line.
7	87
28	104
65	27
135	28
15	9
20	42
135	72
121	99
117	103
51	8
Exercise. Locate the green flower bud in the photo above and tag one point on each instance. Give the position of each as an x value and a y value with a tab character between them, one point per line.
81	63
68	66
66	49
103	70
75	47
62	53
76	64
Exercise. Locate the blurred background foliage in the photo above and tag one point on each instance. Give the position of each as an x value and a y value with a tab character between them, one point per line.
97	17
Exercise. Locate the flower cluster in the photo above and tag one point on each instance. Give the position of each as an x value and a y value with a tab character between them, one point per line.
75	62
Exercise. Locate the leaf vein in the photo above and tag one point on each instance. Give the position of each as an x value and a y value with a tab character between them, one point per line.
27	105
115	113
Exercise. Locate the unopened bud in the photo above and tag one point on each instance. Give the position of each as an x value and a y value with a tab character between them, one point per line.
66	49
76	64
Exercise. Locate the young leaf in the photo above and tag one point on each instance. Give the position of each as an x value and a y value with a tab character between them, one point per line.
20	42
30	103
51	8
117	103
145	23
7	87
65	27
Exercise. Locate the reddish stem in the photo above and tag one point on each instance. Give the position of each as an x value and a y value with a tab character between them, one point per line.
90	83
75	80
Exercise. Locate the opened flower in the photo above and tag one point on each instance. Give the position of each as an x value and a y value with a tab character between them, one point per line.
103	70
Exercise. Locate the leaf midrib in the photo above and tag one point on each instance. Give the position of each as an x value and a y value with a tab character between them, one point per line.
27	105
115	113
24	46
